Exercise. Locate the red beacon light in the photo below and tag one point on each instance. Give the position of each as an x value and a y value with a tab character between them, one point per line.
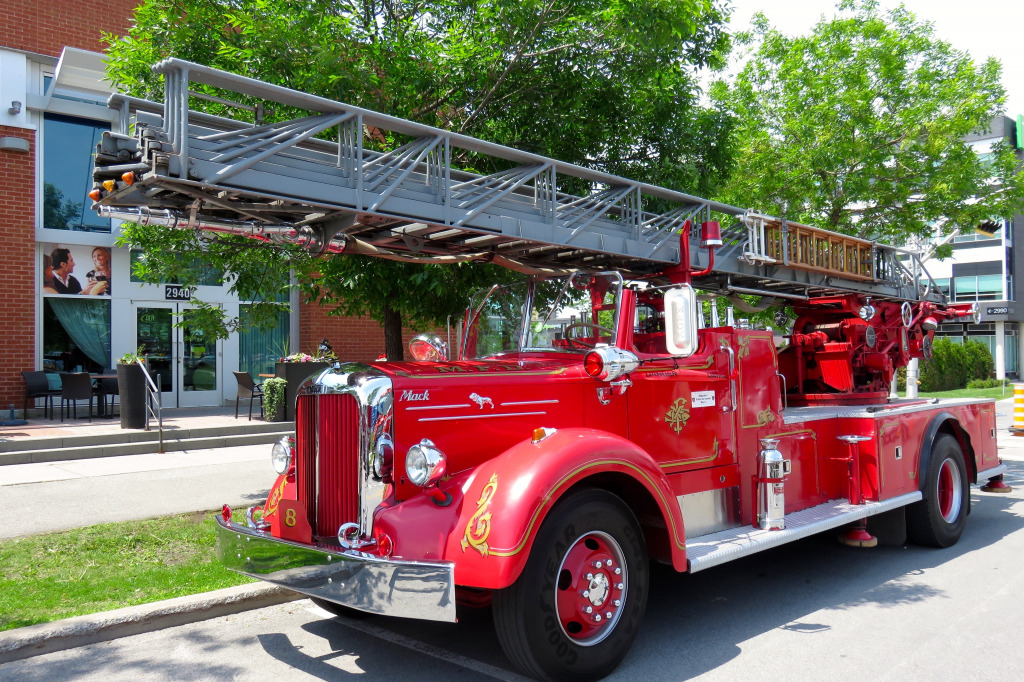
225	513
710	234
95	194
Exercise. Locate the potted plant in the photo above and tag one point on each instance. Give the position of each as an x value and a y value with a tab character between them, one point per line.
274	399
131	389
298	367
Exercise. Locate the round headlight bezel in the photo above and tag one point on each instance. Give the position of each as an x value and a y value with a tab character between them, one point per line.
281	455
425	464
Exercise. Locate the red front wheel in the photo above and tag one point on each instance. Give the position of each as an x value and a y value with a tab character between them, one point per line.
578	605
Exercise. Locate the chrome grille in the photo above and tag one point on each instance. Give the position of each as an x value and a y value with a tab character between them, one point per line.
327	454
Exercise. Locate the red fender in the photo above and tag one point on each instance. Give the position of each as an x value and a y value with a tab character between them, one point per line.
505	500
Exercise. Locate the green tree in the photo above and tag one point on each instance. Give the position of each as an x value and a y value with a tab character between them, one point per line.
860	127
604	84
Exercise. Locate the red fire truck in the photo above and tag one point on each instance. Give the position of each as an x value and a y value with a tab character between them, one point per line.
592	419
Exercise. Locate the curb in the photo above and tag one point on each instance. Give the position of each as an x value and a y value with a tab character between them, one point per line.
70	633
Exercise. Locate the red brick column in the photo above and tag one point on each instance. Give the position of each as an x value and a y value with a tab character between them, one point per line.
18	237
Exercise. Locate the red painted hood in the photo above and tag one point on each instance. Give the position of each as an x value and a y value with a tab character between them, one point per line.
475	410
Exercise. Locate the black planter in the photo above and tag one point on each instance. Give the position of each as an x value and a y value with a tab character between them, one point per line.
131	388
295	373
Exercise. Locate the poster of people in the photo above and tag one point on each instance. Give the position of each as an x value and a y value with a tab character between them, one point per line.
76	269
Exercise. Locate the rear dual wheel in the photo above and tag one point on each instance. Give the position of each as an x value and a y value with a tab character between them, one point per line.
938	520
578	604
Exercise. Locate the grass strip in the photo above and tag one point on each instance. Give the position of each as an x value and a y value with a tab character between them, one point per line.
995	392
53	576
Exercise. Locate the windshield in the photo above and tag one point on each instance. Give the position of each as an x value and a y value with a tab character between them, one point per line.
565	314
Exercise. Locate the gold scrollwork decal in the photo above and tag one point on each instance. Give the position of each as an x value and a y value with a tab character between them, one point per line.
765	417
677	415
744	343
479	526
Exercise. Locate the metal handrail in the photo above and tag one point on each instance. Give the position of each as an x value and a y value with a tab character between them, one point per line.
153	395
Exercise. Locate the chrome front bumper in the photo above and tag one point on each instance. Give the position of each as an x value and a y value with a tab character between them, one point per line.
410	589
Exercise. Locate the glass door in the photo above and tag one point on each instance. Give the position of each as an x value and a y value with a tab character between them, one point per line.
179	359
198	364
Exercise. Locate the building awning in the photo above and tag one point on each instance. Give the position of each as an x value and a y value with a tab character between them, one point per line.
80	75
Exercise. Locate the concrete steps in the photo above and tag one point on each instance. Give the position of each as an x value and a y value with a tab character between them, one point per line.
112	444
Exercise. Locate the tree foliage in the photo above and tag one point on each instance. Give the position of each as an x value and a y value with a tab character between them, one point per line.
604	83
860	127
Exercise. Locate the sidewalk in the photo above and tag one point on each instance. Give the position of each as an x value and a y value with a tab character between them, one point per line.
173	418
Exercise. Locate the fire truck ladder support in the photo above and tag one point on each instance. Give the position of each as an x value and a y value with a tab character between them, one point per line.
392	188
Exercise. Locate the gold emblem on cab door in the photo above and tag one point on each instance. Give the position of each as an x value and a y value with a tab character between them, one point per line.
677	415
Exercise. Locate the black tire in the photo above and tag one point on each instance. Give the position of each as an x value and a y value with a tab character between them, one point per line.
939	519
541	620
339	610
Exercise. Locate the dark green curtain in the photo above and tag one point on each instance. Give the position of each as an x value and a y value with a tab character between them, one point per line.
259	349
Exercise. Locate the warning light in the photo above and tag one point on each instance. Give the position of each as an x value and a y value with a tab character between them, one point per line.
128	177
95	194
109	185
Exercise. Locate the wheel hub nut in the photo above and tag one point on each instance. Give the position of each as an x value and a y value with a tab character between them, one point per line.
598	589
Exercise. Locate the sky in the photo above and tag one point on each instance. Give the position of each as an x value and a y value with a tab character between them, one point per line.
983	28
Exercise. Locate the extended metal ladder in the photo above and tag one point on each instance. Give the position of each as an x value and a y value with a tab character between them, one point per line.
338	177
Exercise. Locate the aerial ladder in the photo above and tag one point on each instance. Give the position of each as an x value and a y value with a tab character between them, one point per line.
337	178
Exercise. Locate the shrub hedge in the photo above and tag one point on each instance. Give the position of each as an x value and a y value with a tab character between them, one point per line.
953	365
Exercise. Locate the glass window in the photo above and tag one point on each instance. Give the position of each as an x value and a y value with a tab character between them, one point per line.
980	288
965	288
76	334
68	146
259	349
990	287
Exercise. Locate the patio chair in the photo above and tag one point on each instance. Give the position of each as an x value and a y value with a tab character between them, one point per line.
108	389
74	387
248	389
37	386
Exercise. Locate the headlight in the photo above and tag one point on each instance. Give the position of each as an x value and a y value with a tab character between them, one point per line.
281	455
425	464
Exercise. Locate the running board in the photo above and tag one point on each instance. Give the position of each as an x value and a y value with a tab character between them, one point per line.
717	548
989	473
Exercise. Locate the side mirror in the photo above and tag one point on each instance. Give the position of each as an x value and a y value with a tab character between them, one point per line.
681	321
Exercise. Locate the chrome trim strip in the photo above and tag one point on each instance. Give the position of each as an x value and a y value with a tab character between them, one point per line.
531	402
438	407
373	391
989	473
478	416
410	589
718	548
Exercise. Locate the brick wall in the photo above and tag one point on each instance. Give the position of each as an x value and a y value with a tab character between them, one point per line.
355	339
47	26
17	234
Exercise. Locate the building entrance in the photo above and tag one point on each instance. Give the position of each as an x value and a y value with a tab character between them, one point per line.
183	362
